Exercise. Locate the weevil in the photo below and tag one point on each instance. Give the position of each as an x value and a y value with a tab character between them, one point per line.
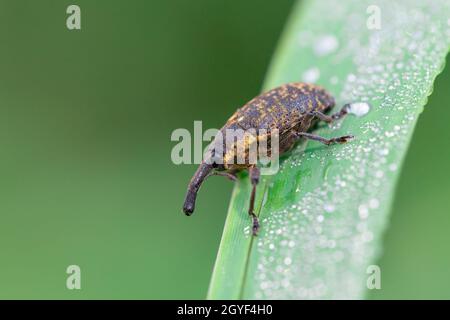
293	109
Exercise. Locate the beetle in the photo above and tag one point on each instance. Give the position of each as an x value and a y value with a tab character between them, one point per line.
293	109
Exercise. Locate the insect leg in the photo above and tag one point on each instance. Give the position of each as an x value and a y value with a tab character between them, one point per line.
341	113
229	175
254	178
314	137
335	116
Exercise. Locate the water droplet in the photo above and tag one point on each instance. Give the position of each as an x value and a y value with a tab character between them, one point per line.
329	207
311	75
287	261
393	167
363	211
325	45
359	109
351	77
374	203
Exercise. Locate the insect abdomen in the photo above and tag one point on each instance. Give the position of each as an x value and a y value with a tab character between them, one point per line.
281	108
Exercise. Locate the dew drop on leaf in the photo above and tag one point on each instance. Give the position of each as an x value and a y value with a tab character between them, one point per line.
359	109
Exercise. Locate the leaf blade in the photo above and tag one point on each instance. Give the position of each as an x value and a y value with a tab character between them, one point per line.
325	211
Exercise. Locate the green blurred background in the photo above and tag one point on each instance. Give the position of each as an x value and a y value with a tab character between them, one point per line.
86	176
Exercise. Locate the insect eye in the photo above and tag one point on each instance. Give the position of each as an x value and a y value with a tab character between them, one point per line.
217	163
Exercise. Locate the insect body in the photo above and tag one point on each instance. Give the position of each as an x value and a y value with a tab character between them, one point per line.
291	109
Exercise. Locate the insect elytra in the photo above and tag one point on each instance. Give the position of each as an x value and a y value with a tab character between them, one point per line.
291	109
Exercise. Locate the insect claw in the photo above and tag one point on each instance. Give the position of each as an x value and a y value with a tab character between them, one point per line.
345	139
340	140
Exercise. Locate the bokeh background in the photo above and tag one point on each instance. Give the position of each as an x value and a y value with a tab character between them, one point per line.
85	171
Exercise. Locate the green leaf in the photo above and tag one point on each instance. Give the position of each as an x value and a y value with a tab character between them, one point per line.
324	213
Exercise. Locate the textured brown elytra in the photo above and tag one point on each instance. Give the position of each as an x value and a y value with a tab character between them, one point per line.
292	109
